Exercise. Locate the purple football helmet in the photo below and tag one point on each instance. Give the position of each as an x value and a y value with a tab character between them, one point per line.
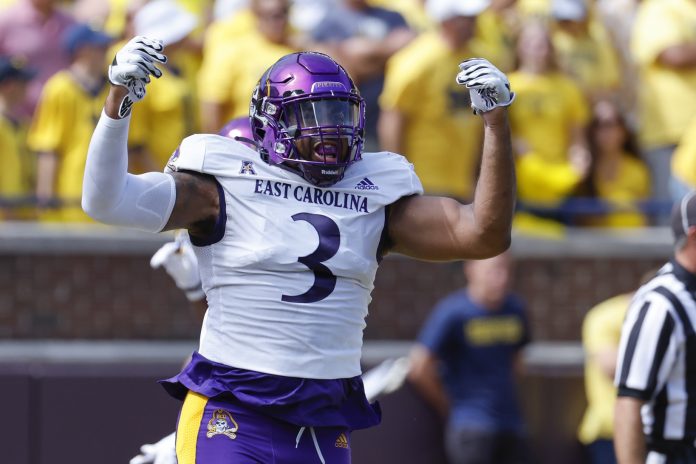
239	129
308	116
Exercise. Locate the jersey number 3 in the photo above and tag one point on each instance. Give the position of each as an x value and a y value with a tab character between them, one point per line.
329	241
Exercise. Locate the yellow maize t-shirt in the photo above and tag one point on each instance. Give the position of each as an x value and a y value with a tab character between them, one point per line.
630	186
229	77
590	60
442	136
684	158
63	123
667	96
545	110
16	175
601	329
163	118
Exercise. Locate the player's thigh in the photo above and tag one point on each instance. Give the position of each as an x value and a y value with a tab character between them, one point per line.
211	431
310	445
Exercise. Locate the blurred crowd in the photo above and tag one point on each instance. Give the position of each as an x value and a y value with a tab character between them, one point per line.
603	124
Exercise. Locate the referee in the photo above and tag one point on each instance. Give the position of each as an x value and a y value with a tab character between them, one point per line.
655	414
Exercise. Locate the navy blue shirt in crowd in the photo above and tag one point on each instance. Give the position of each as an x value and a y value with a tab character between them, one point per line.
477	349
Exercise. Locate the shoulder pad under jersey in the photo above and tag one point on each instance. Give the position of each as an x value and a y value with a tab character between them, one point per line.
210	154
383	174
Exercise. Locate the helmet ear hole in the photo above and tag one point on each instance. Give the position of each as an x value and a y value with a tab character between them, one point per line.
259	133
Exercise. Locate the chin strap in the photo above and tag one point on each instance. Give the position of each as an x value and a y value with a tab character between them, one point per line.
247	141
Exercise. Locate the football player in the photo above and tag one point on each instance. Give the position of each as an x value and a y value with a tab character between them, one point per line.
288	236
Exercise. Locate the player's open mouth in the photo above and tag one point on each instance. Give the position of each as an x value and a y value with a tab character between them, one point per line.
326	151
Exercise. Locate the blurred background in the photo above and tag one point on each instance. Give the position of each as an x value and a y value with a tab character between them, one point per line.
604	137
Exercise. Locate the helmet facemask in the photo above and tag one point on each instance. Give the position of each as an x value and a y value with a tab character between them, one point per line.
321	136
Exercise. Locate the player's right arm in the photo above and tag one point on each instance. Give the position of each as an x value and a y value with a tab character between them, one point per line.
153	201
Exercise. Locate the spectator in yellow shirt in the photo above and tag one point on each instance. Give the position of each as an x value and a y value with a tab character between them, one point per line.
584	49
167	115
497	29
548	124
601	333
65	118
618	177
362	38
16	169
425	115
663	43
412	10
230	71
683	178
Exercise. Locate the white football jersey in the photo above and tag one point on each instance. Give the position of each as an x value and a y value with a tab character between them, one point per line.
289	277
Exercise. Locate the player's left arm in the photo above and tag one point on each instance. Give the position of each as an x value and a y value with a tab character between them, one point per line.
439	228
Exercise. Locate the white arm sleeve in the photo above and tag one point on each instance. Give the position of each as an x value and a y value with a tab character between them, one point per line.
113	196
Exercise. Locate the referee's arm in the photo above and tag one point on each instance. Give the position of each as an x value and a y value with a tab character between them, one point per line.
629	441
646	348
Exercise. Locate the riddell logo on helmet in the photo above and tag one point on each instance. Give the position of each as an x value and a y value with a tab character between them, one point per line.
328	86
329	172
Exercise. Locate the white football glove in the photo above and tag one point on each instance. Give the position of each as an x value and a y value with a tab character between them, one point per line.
181	264
386	377
162	452
132	67
488	86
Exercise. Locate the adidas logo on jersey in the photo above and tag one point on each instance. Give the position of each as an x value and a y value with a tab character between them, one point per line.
341	441
366	184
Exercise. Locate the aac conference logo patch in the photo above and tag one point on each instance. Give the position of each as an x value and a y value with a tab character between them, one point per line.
247	168
222	423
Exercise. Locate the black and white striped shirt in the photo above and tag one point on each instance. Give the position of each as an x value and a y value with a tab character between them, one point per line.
657	354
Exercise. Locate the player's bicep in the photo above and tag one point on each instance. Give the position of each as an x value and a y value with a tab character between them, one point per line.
197	203
434	228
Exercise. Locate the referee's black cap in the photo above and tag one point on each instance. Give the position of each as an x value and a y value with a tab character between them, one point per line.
683	216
